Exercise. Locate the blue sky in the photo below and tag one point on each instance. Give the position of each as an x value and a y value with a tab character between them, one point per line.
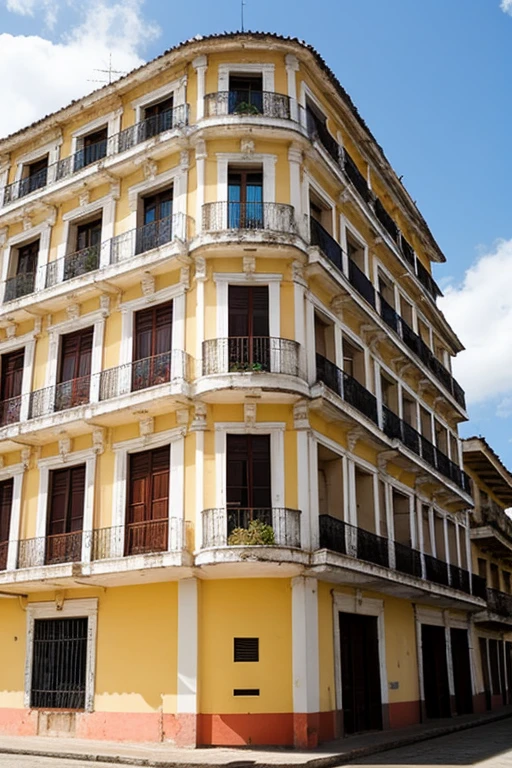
432	79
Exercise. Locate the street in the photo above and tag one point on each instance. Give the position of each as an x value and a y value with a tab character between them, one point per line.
487	746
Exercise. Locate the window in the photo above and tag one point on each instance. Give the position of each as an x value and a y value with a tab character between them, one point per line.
23	275
317	128
157	221
506	581
245	94
6	491
248	328
495	576
324	339
406	311
386	290
482	568
34	176
409	411
389	391
91	148
86	246
147	515
245	199
355	251
11	378
158	118
75	369
152	346
353	362
65	515
59	663
248	489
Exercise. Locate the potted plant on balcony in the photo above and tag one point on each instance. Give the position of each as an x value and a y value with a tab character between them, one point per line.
246	108
257	533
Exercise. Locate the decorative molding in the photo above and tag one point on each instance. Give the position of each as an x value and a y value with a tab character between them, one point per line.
200	267
384	457
199	420
250	410
185	277
182	417
65	447
147	285
295	154
4	234
10	330
27	219
301	415
185	159
338	303
247	146
26	454
105	305
201	151
98	440
249	265
84	198
73	311
146	428
291	62
150	169
298	275
353	437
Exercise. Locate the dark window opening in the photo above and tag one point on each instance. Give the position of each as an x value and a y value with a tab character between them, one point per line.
10	386
6	489
245	94
94	148
147	516
86	245
246	649
245	199
248	328
157	221
23	271
59	663
317	129
248	485
158	117
152	347
65	515
75	370
35	176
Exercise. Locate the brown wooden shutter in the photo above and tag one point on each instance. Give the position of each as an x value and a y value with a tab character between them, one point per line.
148	497
248	471
248	310
153	331
6	490
66	500
12	374
76	353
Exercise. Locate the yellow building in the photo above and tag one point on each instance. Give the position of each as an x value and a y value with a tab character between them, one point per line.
491	545
233	509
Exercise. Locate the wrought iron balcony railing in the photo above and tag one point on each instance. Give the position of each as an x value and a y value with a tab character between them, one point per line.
319	132
10	410
478	586
355	176
361	283
176	118
248	104
59	397
243	354
19	285
272	217
326	242
74	264
146	537
346	539
394	427
145	373
4	549
348	388
499	602
386	220
50	550
234	526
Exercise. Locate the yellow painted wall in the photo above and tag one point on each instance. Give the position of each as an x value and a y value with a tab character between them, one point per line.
12	653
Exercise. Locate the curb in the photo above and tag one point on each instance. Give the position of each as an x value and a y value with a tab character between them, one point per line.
320	762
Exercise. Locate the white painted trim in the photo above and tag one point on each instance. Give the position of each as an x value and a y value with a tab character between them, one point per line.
199	468
51	149
200	64
366	607
188	631
224	279
87	608
266	70
269	173
176	89
95	319
175	176
305	645
16	473
303	488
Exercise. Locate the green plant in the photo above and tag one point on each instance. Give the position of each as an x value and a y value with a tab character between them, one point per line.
245	108
257	533
243	367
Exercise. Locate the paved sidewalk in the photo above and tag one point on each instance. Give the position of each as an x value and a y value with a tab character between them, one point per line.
164	755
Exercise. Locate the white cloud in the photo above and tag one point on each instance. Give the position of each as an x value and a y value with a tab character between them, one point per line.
45	75
506	6
30	7
480	311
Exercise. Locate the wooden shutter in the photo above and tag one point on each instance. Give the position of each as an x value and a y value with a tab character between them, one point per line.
248	311
160	483
248	471
153	331
76	352
148	497
27	258
66	500
12	374
6	489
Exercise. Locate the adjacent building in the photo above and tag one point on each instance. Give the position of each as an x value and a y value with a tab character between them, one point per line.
233	507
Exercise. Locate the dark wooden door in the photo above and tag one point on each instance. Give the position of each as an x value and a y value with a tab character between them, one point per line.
248	327
435	671
6	489
65	515
248	487
508	662
484	658
494	664
360	673
75	369
10	386
152	346
147	514
461	671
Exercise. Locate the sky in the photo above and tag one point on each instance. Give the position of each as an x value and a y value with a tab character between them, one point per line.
431	79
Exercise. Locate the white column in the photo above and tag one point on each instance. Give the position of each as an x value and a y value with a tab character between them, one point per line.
303	499
42	257
90	476
186	702
199	430
96	360
352	498
306	694
201	156
200	64
299	290
26	381
14	527
176	480
292	67
295	160
314	524
310	341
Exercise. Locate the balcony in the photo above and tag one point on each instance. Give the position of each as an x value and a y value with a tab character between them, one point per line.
142	538
279	527
19	285
321	238
248	104
74	264
50	550
499	602
386	220
10	410
4	549
338	536
251	354
60	397
143	374
361	283
176	118
396	428
149	236
271	217
348	388
356	177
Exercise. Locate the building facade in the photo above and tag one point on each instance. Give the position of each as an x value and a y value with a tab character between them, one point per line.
233	505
